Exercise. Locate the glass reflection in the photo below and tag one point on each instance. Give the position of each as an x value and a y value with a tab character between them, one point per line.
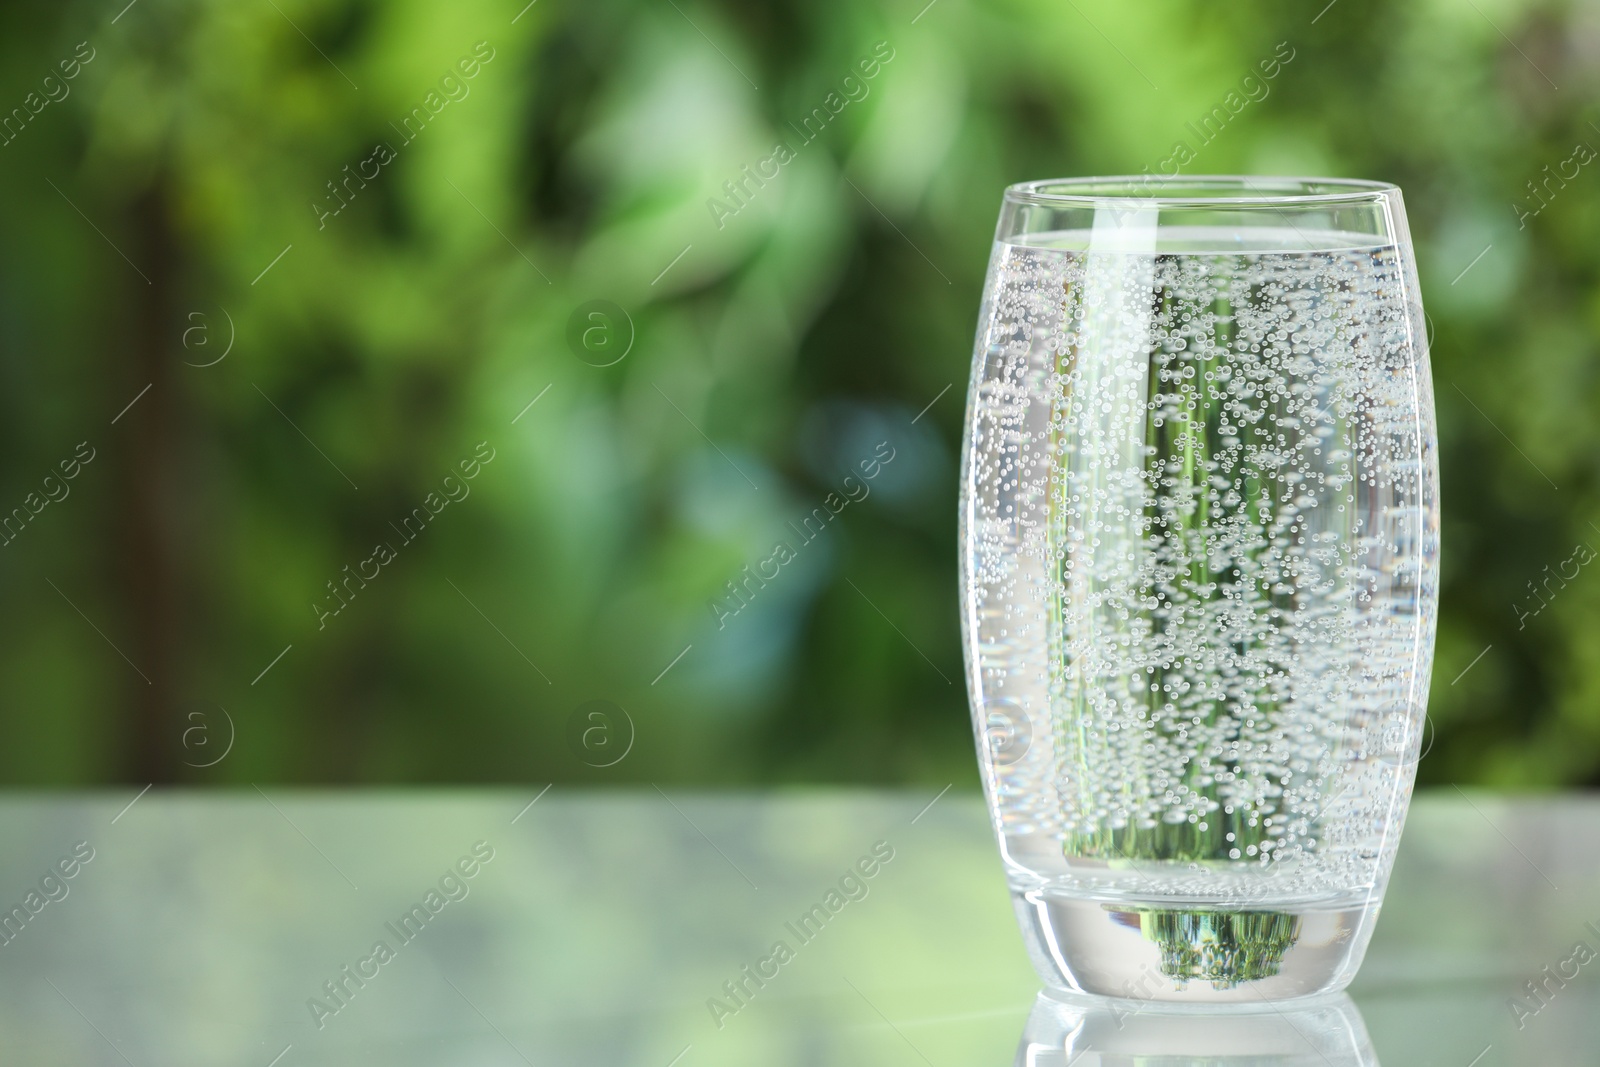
1102	1033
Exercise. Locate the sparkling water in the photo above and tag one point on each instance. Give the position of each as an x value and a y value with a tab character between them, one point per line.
1200	531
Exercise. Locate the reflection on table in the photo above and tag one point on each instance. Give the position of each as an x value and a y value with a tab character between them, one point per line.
1081	1032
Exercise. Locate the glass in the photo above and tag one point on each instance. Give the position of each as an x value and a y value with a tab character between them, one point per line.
1199	528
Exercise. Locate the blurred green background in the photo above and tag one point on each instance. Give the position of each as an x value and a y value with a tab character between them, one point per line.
302	378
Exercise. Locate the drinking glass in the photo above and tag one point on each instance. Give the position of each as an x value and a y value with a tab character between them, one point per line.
1199	528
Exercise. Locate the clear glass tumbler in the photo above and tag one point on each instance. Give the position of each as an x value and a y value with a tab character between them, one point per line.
1199	527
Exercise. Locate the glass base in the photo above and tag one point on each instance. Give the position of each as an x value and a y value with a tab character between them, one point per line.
1174	951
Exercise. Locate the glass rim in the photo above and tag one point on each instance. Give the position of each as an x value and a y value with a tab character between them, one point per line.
1225	191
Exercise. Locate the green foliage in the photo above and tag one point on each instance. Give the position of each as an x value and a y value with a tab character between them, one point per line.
1223	948
778	338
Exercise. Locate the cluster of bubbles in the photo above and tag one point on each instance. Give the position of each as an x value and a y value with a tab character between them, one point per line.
1200	536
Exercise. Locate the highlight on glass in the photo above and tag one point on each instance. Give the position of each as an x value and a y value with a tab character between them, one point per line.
1200	532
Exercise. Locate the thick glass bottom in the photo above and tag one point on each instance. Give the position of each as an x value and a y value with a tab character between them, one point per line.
1179	952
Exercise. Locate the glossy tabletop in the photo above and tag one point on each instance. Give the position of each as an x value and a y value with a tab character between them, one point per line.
658	928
